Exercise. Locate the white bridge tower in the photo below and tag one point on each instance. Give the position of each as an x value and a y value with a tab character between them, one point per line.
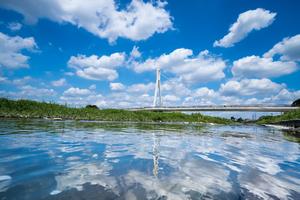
157	95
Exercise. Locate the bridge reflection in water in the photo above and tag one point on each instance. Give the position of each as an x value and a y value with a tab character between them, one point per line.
156	143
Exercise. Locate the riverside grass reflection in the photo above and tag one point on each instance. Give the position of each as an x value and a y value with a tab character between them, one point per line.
43	159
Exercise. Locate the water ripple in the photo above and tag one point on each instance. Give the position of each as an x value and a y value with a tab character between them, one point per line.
49	160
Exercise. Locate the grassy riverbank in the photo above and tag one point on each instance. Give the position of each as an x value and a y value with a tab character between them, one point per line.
34	109
292	115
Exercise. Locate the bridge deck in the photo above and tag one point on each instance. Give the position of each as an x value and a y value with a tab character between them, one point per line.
219	108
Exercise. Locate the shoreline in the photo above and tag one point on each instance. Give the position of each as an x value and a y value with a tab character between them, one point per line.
27	109
118	122
290	125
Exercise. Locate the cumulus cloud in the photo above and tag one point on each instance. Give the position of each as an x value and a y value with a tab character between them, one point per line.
21	81
141	88
116	86
245	91
137	21
175	86
205	92
170	98
126	99
246	23
250	87
11	55
97	68
288	49
283	97
203	67
81	97
77	91
175	93
17	82
30	92
135	95
202	96
261	67
59	82
242	92
141	94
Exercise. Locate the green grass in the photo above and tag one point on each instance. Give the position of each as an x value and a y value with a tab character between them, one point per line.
292	115
33	109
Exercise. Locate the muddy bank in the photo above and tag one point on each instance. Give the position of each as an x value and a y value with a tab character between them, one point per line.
289	123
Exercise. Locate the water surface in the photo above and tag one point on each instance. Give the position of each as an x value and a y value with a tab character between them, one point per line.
87	160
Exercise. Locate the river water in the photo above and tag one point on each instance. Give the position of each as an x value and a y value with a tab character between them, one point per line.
42	159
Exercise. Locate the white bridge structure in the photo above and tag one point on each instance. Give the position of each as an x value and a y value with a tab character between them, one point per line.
158	105
230	108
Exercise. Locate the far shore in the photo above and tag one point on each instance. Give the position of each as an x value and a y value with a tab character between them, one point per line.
27	109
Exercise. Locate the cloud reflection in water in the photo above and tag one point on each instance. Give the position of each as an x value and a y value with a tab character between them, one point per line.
220	162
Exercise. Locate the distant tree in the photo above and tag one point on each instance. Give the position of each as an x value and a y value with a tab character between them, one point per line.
232	118
296	103
92	106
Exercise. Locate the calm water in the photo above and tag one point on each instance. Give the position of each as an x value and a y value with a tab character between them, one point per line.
85	160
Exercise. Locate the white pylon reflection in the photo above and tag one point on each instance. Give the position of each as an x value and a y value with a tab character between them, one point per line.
156	143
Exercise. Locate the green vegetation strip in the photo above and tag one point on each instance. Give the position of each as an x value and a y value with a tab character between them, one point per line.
33	109
292	115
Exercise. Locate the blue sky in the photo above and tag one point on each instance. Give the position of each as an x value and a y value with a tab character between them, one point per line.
105	52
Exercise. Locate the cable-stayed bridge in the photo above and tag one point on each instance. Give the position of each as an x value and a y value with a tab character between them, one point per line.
158	105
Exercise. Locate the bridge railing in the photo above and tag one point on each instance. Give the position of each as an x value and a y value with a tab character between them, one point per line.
214	106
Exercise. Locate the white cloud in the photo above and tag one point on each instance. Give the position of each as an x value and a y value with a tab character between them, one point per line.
258	67
170	98
175	93
135	53
205	92
246	22
141	88
127	99
18	82
116	86
137	21
59	82
250	87
82	97
283	97
164	61
97	68
203	96
92	87
21	81
83	100
288	48
203	67
28	91
10	51
243	92
14	26
77	92
31	92
175	86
